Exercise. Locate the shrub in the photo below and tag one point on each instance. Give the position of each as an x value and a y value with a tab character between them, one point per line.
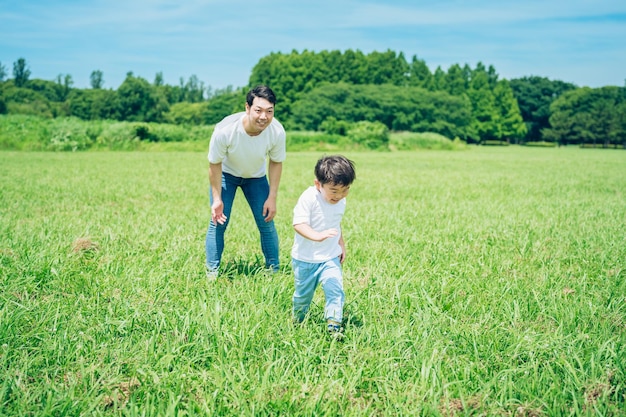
541	144
407	141
494	143
371	135
118	136
70	135
315	141
336	127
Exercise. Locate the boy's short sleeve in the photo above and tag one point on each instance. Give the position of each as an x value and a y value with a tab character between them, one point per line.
302	209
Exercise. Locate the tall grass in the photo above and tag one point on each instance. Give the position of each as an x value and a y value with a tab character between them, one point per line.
485	282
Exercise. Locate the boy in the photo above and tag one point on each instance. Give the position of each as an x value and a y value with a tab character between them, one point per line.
318	249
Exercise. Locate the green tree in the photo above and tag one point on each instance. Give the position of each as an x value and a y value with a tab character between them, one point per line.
21	72
96	79
419	74
93	104
139	101
484	113
570	118
352	67
21	100
439	80
193	90
158	79
456	80
398	108
224	103
3	72
387	68
534	96
588	116
51	90
510	124
606	103
64	83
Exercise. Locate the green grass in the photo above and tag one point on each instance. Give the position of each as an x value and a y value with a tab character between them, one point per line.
484	282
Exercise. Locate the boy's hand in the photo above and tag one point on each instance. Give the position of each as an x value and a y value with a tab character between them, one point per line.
327	233
307	231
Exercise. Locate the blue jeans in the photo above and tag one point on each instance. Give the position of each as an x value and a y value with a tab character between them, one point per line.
256	191
307	277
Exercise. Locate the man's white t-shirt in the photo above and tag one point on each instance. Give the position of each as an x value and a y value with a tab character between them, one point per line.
243	155
313	210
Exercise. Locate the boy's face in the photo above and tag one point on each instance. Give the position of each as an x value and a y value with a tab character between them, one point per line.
332	193
259	115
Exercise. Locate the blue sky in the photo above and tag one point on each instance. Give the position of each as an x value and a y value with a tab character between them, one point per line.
578	41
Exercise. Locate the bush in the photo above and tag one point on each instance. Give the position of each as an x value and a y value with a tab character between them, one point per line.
70	134
541	144
494	143
408	141
314	141
336	127
371	135
186	113
118	136
23	132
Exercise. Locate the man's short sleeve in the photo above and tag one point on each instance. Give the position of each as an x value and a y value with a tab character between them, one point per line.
217	148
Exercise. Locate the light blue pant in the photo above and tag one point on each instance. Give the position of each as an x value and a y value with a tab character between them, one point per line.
256	191
307	277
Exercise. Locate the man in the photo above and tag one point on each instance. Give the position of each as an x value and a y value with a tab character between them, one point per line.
239	149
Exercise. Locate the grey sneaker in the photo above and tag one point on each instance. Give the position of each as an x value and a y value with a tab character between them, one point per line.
335	330
211	274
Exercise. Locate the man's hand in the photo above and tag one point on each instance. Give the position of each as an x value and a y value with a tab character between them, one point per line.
269	209
217	212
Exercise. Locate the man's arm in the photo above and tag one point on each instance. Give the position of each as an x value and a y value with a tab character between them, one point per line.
275	171
217	208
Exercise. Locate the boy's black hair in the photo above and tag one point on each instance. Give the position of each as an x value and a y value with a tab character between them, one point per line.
335	169
261	91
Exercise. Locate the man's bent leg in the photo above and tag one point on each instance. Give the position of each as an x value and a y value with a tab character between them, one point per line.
256	191
214	242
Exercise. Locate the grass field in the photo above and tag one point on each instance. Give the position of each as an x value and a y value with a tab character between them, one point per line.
490	281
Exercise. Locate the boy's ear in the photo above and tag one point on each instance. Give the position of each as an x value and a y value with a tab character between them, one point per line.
318	184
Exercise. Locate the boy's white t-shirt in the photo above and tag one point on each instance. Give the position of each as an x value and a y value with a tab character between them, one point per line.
313	210
243	155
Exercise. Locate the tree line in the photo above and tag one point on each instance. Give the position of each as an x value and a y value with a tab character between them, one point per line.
330	90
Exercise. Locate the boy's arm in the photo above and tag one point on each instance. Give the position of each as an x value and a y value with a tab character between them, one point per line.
306	231
342	257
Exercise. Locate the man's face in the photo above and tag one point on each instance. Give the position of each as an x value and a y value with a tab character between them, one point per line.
260	115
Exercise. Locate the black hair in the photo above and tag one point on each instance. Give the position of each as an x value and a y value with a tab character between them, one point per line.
335	169
261	91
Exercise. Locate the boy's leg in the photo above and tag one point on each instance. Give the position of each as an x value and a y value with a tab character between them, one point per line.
214	242
256	191
305	279
331	279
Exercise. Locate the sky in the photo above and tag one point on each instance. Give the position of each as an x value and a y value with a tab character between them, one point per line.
578	41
